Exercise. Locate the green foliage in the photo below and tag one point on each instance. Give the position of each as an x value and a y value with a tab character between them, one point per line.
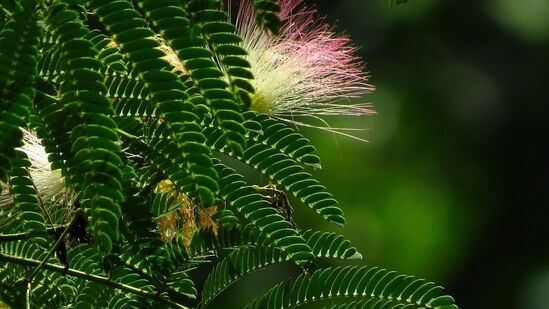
25	199
94	166
245	260
378	288
267	14
142	109
18	40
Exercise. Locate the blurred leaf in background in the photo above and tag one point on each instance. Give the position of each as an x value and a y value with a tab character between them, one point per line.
528	19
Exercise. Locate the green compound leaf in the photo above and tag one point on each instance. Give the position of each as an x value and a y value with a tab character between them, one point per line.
245	200
94	159
245	260
371	288
267	14
167	92
18	52
25	198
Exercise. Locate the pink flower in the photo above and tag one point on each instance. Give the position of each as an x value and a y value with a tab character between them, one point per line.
308	70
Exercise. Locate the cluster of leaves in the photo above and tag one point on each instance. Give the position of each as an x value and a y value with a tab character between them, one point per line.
127	96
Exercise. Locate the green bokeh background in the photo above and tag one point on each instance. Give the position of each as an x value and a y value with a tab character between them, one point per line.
452	185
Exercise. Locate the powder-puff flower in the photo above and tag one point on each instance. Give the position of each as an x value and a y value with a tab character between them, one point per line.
307	70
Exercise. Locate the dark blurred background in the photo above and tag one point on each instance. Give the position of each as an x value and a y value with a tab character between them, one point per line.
452	185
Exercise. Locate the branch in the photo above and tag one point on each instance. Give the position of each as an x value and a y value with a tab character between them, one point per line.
90	277
161	286
61	238
26	235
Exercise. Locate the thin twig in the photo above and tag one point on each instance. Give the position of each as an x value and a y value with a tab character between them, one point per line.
90	277
25	235
159	285
126	134
28	302
61	238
